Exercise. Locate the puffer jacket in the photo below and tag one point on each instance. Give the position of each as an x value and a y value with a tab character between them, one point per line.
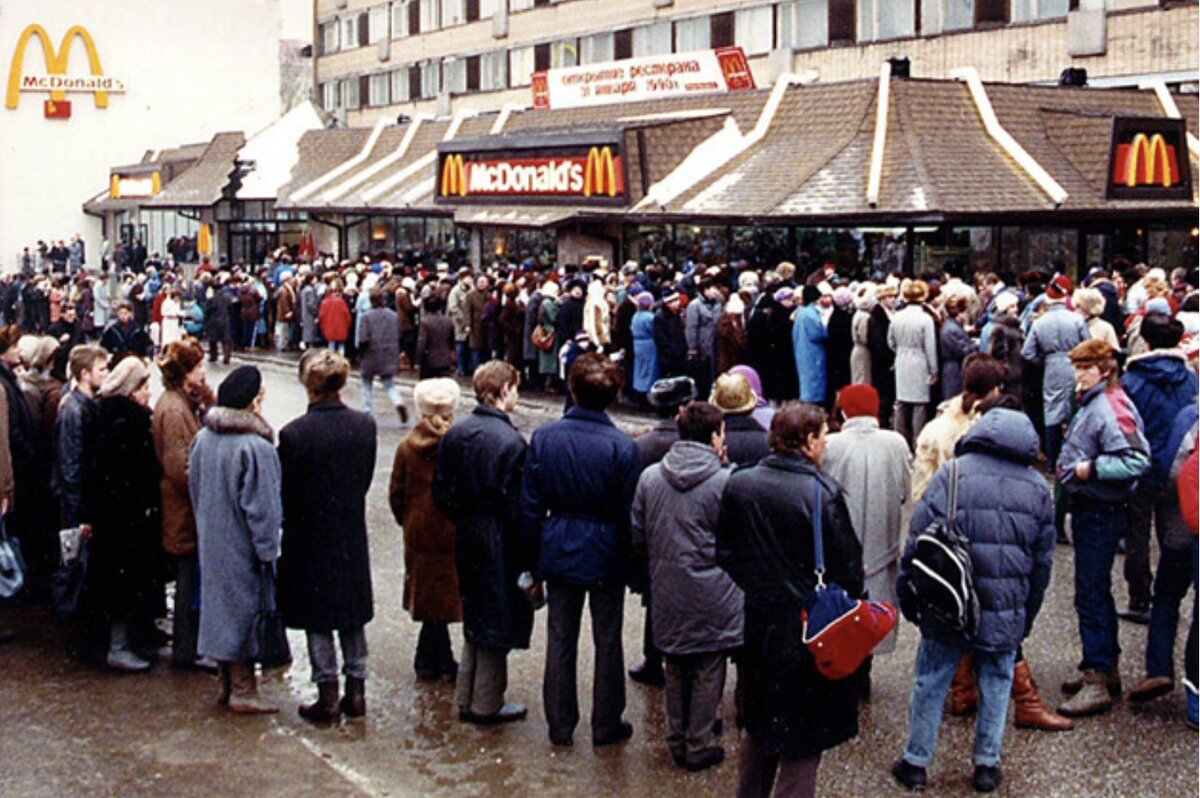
580	475
1160	385
697	607
1107	431
1006	511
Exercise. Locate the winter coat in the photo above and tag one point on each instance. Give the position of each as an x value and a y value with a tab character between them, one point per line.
953	347
532	309
21	467
1005	344
1006	511
430	571
1107	432
477	484
596	319
327	459
873	467
310	307
809	337
645	352
569	320
73	433
731	342
234	481
334	318
936	442
126	565
176	423
435	346
765	543
512	327
700	326
456	309
697	607
580	475
670	344
216	315
249	303
406	311
119	339
860	356
1050	340
379	343
548	361
837	351
883	359
622	327
1178	532
745	439
769	348
913	337
653	445
476	335
285	304
1160	385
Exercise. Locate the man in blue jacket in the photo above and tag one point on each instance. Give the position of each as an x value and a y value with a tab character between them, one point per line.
580	475
1160	385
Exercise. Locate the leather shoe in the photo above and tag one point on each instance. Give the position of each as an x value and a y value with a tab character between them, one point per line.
909	776
1150	688
1138	615
623	733
649	675
509	713
705	760
987	778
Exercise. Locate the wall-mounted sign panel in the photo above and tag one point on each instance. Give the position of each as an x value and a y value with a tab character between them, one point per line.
55	81
1149	159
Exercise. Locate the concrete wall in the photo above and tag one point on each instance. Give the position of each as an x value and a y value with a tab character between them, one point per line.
190	69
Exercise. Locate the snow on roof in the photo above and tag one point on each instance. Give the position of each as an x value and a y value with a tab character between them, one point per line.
274	152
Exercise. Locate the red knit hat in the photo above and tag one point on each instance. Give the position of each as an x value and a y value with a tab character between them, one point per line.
1060	287
858	400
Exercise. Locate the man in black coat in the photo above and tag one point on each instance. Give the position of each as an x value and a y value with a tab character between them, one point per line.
883	359
327	458
669	337
477	484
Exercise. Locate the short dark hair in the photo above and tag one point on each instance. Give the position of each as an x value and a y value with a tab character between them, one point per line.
792	426
595	381
378	297
981	374
1161	331
699	421
491	378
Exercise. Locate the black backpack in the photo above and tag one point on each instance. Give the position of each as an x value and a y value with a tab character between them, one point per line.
941	570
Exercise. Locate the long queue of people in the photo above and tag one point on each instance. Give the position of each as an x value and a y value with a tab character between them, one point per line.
494	526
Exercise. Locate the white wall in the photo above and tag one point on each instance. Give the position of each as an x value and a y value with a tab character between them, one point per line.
190	69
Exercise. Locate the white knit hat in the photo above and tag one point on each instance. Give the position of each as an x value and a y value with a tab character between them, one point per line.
437	397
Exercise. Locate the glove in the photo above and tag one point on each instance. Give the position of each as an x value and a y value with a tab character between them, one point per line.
910	608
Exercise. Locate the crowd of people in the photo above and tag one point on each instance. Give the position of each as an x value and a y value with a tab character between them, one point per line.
784	402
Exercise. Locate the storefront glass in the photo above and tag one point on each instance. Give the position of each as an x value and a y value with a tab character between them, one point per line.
701	245
1045	249
761	247
537	246
1172	249
841	246
649	243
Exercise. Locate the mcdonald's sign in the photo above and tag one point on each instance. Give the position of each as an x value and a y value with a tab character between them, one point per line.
1146	160
55	81
587	172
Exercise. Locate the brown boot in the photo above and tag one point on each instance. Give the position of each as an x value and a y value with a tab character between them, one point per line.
1092	699
354	702
326	708
1031	711
223	687
243	696
964	694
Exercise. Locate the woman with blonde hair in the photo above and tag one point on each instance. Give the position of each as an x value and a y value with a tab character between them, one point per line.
431	594
1089	302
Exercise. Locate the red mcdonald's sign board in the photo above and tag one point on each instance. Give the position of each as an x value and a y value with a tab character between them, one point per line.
1149	160
586	172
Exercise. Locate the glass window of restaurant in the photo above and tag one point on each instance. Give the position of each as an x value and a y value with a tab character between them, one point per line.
1171	248
760	246
649	243
539	246
707	245
1047	249
843	247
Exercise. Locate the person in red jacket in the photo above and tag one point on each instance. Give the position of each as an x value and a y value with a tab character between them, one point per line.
1189	493
334	318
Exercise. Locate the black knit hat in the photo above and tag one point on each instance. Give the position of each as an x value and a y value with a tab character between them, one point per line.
240	388
671	392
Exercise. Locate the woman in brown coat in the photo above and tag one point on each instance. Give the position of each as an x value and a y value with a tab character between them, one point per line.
430	570
731	335
176	421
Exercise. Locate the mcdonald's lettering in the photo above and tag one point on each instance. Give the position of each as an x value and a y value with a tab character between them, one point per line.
599	173
1146	161
56	81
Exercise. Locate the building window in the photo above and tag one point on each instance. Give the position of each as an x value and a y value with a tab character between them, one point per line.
842	20
380	90
754	29
378	26
886	19
399	20
564	53
329	95
804	24
349	34
958	14
520	5
1030	10
430	15
431	78
472	73
520	66
454	75
400	81
722	29
488	8
414	82
693	34
596	49
493	71
454	12
350	99
623	44
329	37
541	57
652	39
991	12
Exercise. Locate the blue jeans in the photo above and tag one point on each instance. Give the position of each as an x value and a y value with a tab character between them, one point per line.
936	663
1097	527
1171	583
323	657
464	358
389	387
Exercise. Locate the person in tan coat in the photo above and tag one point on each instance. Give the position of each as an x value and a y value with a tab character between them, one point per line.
431	593
177	419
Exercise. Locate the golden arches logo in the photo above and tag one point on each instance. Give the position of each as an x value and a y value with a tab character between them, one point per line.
600	173
1153	152
56	62
454	176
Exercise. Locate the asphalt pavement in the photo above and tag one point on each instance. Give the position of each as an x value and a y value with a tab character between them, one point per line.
70	730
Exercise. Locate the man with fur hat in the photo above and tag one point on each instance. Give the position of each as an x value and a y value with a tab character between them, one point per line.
913	337
1103	456
1051	338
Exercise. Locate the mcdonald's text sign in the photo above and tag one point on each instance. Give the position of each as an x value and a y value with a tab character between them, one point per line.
55	81
593	173
1149	159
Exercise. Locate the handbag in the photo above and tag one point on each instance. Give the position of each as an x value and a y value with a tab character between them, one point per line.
12	564
543	339
271	647
942	577
66	583
839	631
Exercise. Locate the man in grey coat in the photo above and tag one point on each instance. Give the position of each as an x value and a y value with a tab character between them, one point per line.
379	347
1049	343
700	329
697	614
234	480
913	337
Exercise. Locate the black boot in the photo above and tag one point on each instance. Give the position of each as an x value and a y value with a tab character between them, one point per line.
325	709
354	702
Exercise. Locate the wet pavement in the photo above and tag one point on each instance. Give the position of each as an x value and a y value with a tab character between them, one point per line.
70	730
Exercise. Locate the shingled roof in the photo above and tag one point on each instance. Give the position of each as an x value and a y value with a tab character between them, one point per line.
201	186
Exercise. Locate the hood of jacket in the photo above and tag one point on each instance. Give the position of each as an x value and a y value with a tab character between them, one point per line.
228	421
689	463
1003	433
427	434
1164	368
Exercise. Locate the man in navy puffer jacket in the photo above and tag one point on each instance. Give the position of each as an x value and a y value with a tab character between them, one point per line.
1006	511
